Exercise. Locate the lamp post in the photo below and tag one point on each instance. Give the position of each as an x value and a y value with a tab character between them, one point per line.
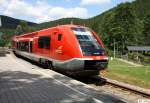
115	47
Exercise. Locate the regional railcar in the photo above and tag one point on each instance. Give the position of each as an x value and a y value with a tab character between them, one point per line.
68	48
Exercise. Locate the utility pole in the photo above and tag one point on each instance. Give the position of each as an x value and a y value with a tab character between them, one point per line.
117	50
114	48
71	22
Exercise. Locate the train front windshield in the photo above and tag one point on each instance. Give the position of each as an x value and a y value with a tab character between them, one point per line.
88	43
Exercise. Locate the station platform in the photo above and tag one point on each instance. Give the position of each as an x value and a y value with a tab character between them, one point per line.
23	82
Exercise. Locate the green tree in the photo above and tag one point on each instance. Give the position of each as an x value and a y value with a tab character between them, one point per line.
6	35
18	30
25	27
121	25
2	43
22	28
146	29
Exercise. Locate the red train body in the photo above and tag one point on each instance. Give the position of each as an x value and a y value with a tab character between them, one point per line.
68	48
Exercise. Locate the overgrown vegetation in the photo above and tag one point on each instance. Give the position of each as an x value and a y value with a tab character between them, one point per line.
132	74
127	24
23	28
4	37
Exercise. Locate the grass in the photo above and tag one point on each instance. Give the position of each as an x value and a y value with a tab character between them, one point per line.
128	73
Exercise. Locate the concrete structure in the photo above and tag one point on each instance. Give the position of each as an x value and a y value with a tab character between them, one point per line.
23	82
138	49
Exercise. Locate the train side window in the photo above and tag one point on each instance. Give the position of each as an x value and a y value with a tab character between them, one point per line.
44	42
24	46
17	45
40	43
59	37
47	43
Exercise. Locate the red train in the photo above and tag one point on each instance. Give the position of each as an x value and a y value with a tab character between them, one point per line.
68	48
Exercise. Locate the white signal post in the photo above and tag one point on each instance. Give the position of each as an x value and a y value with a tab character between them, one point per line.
114	49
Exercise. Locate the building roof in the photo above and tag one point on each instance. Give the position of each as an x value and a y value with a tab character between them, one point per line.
138	48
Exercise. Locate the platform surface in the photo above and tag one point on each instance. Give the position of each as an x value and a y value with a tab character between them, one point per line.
23	82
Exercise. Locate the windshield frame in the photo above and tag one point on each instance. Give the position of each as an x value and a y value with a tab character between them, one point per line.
84	36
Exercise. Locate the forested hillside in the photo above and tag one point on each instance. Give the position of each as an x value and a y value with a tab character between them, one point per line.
8	26
126	24
11	23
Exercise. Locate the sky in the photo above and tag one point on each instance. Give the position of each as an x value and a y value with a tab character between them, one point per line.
39	11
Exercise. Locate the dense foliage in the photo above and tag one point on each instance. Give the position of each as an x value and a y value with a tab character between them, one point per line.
126	24
146	29
4	37
23	28
11	23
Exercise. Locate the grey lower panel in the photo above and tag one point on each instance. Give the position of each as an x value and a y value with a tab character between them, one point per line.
70	65
75	66
28	55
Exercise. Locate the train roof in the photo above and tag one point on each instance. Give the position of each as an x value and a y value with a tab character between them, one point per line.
58	27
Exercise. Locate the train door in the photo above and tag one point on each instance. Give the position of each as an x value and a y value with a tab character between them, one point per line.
57	36
17	45
30	45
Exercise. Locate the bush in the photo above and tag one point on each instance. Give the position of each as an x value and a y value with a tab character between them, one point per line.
147	60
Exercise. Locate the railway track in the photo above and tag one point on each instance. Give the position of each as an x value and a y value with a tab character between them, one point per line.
126	91
135	89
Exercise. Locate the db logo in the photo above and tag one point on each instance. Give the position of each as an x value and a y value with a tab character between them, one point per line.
59	50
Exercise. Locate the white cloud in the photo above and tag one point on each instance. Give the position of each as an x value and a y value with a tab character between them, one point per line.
68	12
3	4
60	12
40	11
94	2
128	0
20	8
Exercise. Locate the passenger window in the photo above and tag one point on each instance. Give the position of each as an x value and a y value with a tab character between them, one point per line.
23	46
40	43
18	45
44	42
59	37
